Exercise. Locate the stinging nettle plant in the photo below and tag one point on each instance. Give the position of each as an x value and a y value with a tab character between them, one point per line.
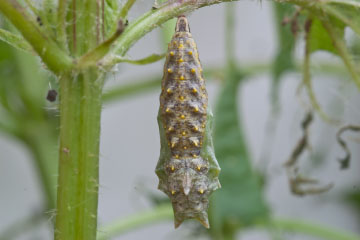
79	41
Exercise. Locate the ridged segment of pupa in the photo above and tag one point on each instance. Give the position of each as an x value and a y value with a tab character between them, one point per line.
187	167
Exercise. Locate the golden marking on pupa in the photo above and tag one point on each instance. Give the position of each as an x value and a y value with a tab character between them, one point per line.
195	142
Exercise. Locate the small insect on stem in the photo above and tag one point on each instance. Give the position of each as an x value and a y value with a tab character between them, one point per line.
51	95
39	21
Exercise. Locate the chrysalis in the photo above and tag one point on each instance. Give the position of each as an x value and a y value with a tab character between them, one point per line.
187	168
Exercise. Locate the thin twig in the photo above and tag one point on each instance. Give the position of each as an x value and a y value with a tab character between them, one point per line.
345	161
296	181
147	60
92	57
32	7
307	76
125	9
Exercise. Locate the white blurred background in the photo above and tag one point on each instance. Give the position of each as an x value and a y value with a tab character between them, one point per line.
130	139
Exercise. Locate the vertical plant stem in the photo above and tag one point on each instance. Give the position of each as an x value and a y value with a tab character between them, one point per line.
307	76
80	109
61	23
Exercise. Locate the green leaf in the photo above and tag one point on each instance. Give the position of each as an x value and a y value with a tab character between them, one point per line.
345	11
334	15
15	40
167	31
320	38
240	200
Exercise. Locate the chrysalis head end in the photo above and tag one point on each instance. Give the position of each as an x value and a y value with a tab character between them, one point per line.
182	24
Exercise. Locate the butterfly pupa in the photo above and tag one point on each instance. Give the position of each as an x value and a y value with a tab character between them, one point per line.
187	168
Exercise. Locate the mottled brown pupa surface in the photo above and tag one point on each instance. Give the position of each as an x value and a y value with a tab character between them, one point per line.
187	168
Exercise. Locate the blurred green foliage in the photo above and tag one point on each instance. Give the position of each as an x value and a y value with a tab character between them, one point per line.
240	200
26	115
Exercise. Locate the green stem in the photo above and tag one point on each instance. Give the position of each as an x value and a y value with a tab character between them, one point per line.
125	9
307	78
146	60
51	54
155	18
91	58
164	213
84	32
32	7
80	108
50	13
310	228
61	23
161	213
